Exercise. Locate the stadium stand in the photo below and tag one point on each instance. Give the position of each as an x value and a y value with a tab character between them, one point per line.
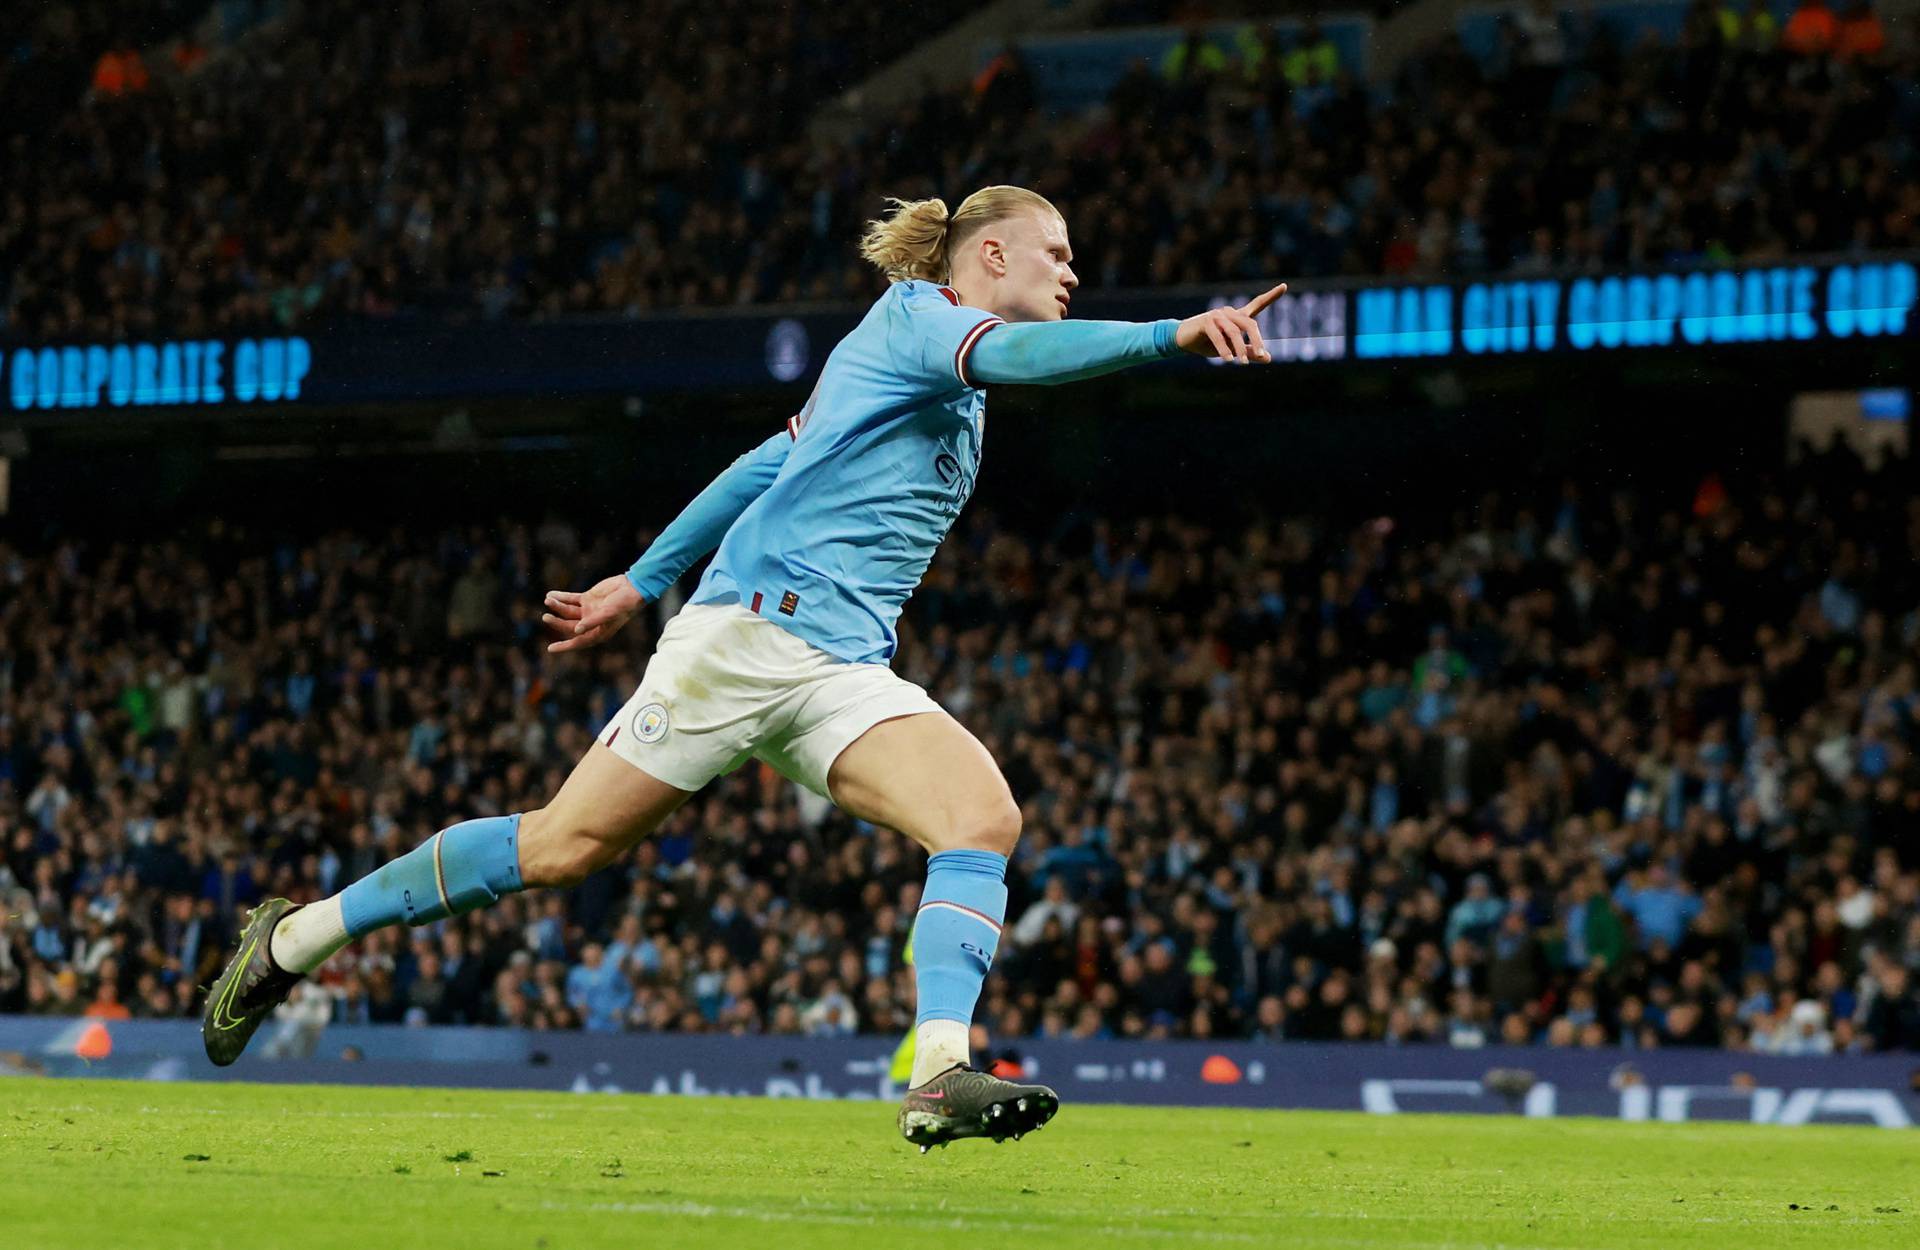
525	167
1590	769
426	158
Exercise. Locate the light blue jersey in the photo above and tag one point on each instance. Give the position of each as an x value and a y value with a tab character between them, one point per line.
884	456
829	526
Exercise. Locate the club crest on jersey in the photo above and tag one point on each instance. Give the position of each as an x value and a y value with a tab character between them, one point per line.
650	723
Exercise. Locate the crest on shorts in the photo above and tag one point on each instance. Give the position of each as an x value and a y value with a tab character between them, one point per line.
650	723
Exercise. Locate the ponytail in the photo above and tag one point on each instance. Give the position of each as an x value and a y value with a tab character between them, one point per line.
909	242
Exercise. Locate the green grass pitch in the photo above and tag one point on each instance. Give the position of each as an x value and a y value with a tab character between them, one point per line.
147	1166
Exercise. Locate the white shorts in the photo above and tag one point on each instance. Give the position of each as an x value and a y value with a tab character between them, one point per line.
725	685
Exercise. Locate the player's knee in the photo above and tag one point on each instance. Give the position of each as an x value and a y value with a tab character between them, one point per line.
996	829
574	860
555	856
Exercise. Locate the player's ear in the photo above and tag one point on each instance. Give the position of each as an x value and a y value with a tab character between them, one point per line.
993	253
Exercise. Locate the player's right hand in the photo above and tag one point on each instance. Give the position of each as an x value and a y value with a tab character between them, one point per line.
1229	333
588	618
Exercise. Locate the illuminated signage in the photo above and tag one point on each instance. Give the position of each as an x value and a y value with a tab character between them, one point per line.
185	372
1770	304
1826	301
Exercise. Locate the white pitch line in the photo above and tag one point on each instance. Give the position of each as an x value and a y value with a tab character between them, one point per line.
966	1219
959	1222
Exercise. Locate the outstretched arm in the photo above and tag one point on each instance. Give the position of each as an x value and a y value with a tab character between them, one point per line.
585	618
1050	352
703	523
1047	353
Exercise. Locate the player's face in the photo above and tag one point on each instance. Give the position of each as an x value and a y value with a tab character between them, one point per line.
1039	277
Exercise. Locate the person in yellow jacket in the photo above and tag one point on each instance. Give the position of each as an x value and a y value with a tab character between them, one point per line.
1750	26
1294	57
1195	54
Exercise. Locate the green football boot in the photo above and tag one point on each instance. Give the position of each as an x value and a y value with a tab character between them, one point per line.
249	989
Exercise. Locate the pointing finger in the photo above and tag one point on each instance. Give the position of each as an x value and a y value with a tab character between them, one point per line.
1258	303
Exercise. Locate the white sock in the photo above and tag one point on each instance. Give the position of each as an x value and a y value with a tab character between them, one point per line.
937	1046
308	937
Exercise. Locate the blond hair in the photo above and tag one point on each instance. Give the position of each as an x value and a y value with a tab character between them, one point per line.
917	239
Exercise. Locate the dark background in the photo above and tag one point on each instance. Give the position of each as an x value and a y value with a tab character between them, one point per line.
1345	440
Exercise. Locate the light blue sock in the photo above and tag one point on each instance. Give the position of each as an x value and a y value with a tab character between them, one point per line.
461	868
957	931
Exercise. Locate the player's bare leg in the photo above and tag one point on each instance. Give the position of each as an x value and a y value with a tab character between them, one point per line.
926	776
605	806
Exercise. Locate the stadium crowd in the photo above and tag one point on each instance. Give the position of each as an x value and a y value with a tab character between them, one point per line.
530	163
1597	770
421	157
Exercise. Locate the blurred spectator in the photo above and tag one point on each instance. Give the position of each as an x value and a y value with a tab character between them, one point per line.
1859	33
1314	59
1802	1032
598	989
1746	25
120	71
1893	1017
1543	35
1196	57
301	1021
1004	89
1474	917
1660	908
1811	29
